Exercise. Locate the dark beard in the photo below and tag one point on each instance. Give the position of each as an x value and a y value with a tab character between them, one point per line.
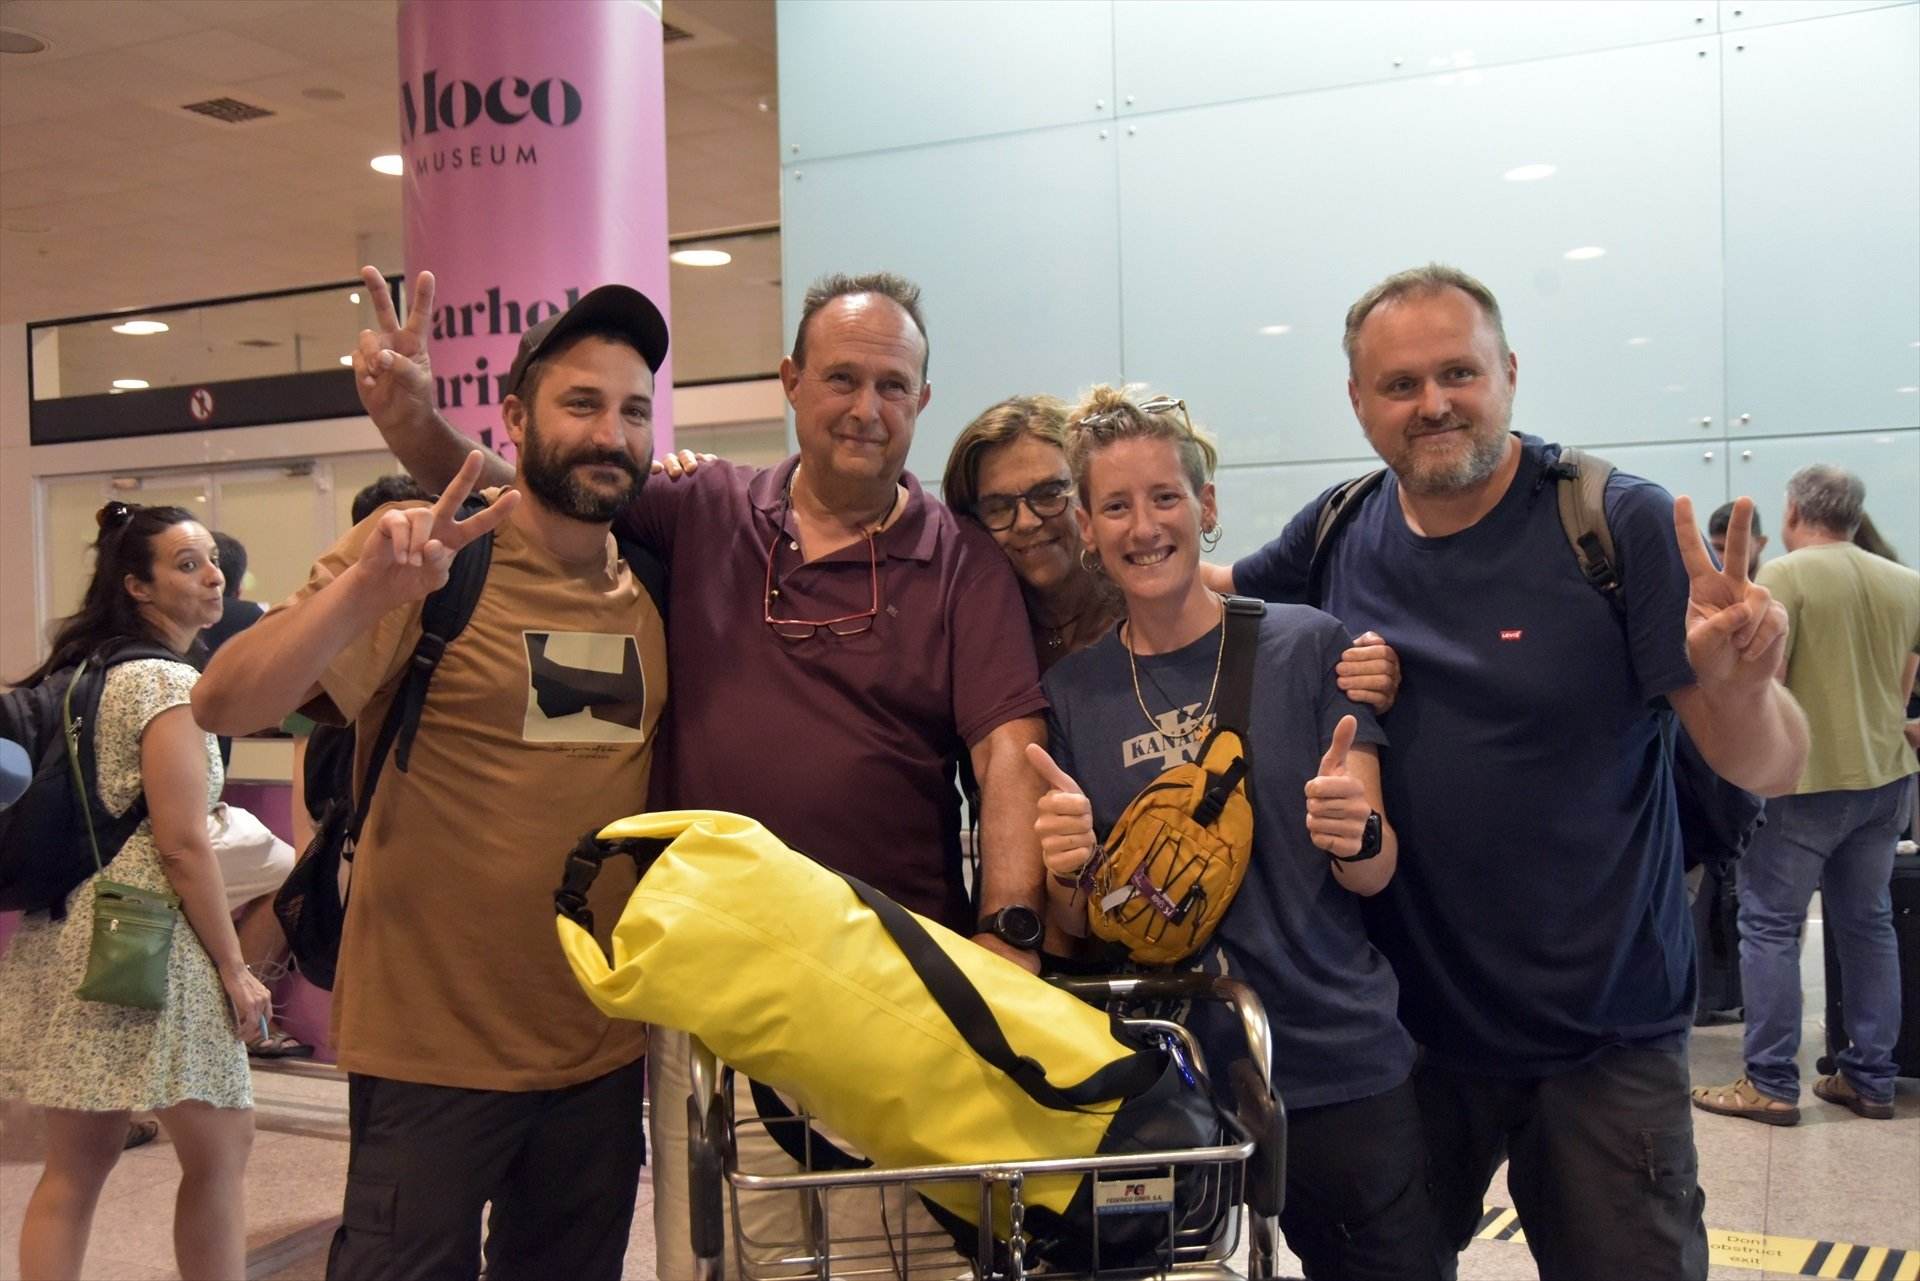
552	478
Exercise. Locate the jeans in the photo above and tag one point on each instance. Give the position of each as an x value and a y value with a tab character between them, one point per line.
1840	843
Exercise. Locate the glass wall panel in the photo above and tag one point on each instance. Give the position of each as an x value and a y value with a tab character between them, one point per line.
280	517
1583	190
1739	15
1823	224
1184	55
861	77
68	505
1697	470
1012	240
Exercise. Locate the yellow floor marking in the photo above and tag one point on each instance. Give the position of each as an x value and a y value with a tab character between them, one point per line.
1759	1252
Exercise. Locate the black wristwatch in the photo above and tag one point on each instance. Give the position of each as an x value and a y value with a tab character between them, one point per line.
1015	925
1369	842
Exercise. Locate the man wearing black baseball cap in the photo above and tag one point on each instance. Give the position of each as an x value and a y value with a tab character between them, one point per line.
479	1072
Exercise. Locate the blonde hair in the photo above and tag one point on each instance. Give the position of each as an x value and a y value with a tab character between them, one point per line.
1107	414
1041	417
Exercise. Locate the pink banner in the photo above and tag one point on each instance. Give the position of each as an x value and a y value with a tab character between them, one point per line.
534	139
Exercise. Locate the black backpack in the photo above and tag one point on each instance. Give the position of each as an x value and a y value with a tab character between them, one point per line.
310	904
44	852
1717	819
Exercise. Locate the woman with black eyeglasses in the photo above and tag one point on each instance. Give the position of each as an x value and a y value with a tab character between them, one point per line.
1008	470
156	580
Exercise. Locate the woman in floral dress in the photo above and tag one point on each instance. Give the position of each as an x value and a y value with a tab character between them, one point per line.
90	1065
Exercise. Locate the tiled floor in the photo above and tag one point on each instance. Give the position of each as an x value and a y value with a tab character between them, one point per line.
1834	1177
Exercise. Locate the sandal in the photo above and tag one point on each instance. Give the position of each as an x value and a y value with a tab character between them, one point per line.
1838	1089
1741	1099
139	1134
279	1045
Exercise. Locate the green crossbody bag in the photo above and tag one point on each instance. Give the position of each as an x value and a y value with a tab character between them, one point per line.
132	927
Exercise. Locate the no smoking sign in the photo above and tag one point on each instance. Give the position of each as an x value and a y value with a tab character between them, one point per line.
200	404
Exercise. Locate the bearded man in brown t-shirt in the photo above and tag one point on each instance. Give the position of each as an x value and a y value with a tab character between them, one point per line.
479	1071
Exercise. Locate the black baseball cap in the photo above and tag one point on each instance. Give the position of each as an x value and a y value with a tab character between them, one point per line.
623	310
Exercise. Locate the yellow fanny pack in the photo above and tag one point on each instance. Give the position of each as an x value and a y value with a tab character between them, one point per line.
914	1044
1170	867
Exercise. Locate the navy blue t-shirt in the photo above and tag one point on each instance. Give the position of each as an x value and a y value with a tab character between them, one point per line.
1538	914
1293	932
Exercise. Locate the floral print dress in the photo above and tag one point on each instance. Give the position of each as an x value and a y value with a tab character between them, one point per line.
59	1051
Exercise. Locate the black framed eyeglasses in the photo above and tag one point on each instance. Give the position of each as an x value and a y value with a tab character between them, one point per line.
1045	501
799	629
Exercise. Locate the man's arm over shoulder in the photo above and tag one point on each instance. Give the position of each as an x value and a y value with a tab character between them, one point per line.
664	501
1278	571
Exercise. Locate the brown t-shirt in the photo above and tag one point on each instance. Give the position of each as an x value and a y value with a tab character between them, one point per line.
539	726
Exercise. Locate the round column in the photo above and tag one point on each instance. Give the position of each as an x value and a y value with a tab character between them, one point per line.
534	140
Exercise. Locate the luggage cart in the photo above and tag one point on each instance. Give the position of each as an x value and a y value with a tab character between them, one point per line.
1242	1177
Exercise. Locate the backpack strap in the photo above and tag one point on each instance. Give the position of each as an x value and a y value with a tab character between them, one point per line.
1581	490
1337	509
648	568
1242	642
443	616
972	1017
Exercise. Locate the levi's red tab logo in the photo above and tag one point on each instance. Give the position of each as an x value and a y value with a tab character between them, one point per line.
1511	633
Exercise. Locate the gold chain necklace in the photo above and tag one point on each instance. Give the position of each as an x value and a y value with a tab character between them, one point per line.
1193	728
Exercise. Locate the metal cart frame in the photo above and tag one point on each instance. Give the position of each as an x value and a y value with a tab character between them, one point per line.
1242	1177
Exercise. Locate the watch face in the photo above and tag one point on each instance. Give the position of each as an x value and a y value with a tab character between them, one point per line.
1018	926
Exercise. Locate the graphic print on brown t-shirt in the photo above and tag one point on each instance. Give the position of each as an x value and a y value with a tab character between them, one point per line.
584	687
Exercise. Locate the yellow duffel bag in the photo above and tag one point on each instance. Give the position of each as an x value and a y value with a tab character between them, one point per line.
914	1044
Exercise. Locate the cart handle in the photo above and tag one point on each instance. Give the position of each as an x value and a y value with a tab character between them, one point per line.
1185	985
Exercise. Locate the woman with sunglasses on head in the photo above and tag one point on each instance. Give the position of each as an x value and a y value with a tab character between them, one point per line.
156	580
1140	699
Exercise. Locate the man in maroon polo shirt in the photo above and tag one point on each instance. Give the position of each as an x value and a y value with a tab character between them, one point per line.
835	639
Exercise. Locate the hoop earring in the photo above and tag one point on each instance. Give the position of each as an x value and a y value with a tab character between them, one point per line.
1090	561
1210	538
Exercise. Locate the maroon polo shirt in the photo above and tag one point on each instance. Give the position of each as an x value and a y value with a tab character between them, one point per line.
843	746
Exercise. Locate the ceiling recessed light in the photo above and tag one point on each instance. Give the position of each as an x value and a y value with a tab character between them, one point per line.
347	361
141	327
700	257
354	297
1530	173
1907	391
130	384
116	391
1274	330
1585	253
392	166
1638	342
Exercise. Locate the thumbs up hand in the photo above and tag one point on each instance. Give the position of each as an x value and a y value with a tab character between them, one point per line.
1065	822
1337	805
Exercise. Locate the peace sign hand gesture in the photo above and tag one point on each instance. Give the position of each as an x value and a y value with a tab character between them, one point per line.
1736	631
411	549
390	366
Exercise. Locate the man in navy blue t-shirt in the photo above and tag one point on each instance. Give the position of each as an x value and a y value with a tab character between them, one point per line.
1538	923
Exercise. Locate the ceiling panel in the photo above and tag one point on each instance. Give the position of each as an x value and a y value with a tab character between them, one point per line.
111	196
